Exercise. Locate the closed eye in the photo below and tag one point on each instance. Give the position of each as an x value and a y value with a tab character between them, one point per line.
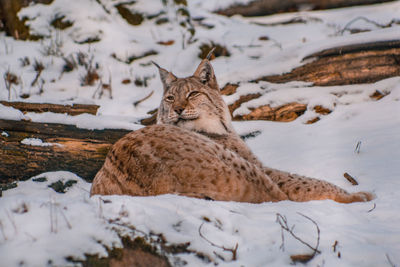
193	94
170	98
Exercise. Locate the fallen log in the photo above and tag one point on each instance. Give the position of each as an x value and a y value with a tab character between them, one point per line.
285	113
74	109
352	64
268	7
70	148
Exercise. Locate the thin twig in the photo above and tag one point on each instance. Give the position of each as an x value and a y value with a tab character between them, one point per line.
232	250
301	257
358	147
318	232
65	218
130	227
372	208
2	230
12	221
335	245
390	261
34	239
283	223
143	99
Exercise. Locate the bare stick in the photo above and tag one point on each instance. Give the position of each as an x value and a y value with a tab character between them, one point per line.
350	178
143	99
390	261
335	245
372	208
358	147
232	250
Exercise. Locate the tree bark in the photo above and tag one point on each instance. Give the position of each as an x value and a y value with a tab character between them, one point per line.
79	150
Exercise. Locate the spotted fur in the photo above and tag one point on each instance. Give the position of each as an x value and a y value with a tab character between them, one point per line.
194	151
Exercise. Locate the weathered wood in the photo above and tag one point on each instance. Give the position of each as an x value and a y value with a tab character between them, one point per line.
80	151
355	48
355	64
268	7
285	113
74	109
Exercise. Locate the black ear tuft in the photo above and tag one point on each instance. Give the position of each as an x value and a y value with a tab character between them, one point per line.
210	53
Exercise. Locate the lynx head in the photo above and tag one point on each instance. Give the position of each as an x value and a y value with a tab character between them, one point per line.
194	103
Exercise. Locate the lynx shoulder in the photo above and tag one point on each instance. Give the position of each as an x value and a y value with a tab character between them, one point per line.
194	151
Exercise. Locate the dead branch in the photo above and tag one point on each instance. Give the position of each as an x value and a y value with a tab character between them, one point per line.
301	257
232	250
350	178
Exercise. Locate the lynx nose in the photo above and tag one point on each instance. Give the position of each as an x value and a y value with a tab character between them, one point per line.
179	110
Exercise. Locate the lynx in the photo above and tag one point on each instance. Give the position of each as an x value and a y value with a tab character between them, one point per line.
194	151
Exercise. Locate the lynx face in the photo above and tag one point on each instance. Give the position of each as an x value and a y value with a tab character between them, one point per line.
194	103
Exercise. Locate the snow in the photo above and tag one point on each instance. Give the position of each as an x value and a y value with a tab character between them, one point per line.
10	113
37	142
39	226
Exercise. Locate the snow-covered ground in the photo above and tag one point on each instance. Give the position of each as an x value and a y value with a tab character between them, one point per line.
39	226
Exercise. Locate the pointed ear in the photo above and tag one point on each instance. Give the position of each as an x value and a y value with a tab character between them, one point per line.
205	73
166	77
